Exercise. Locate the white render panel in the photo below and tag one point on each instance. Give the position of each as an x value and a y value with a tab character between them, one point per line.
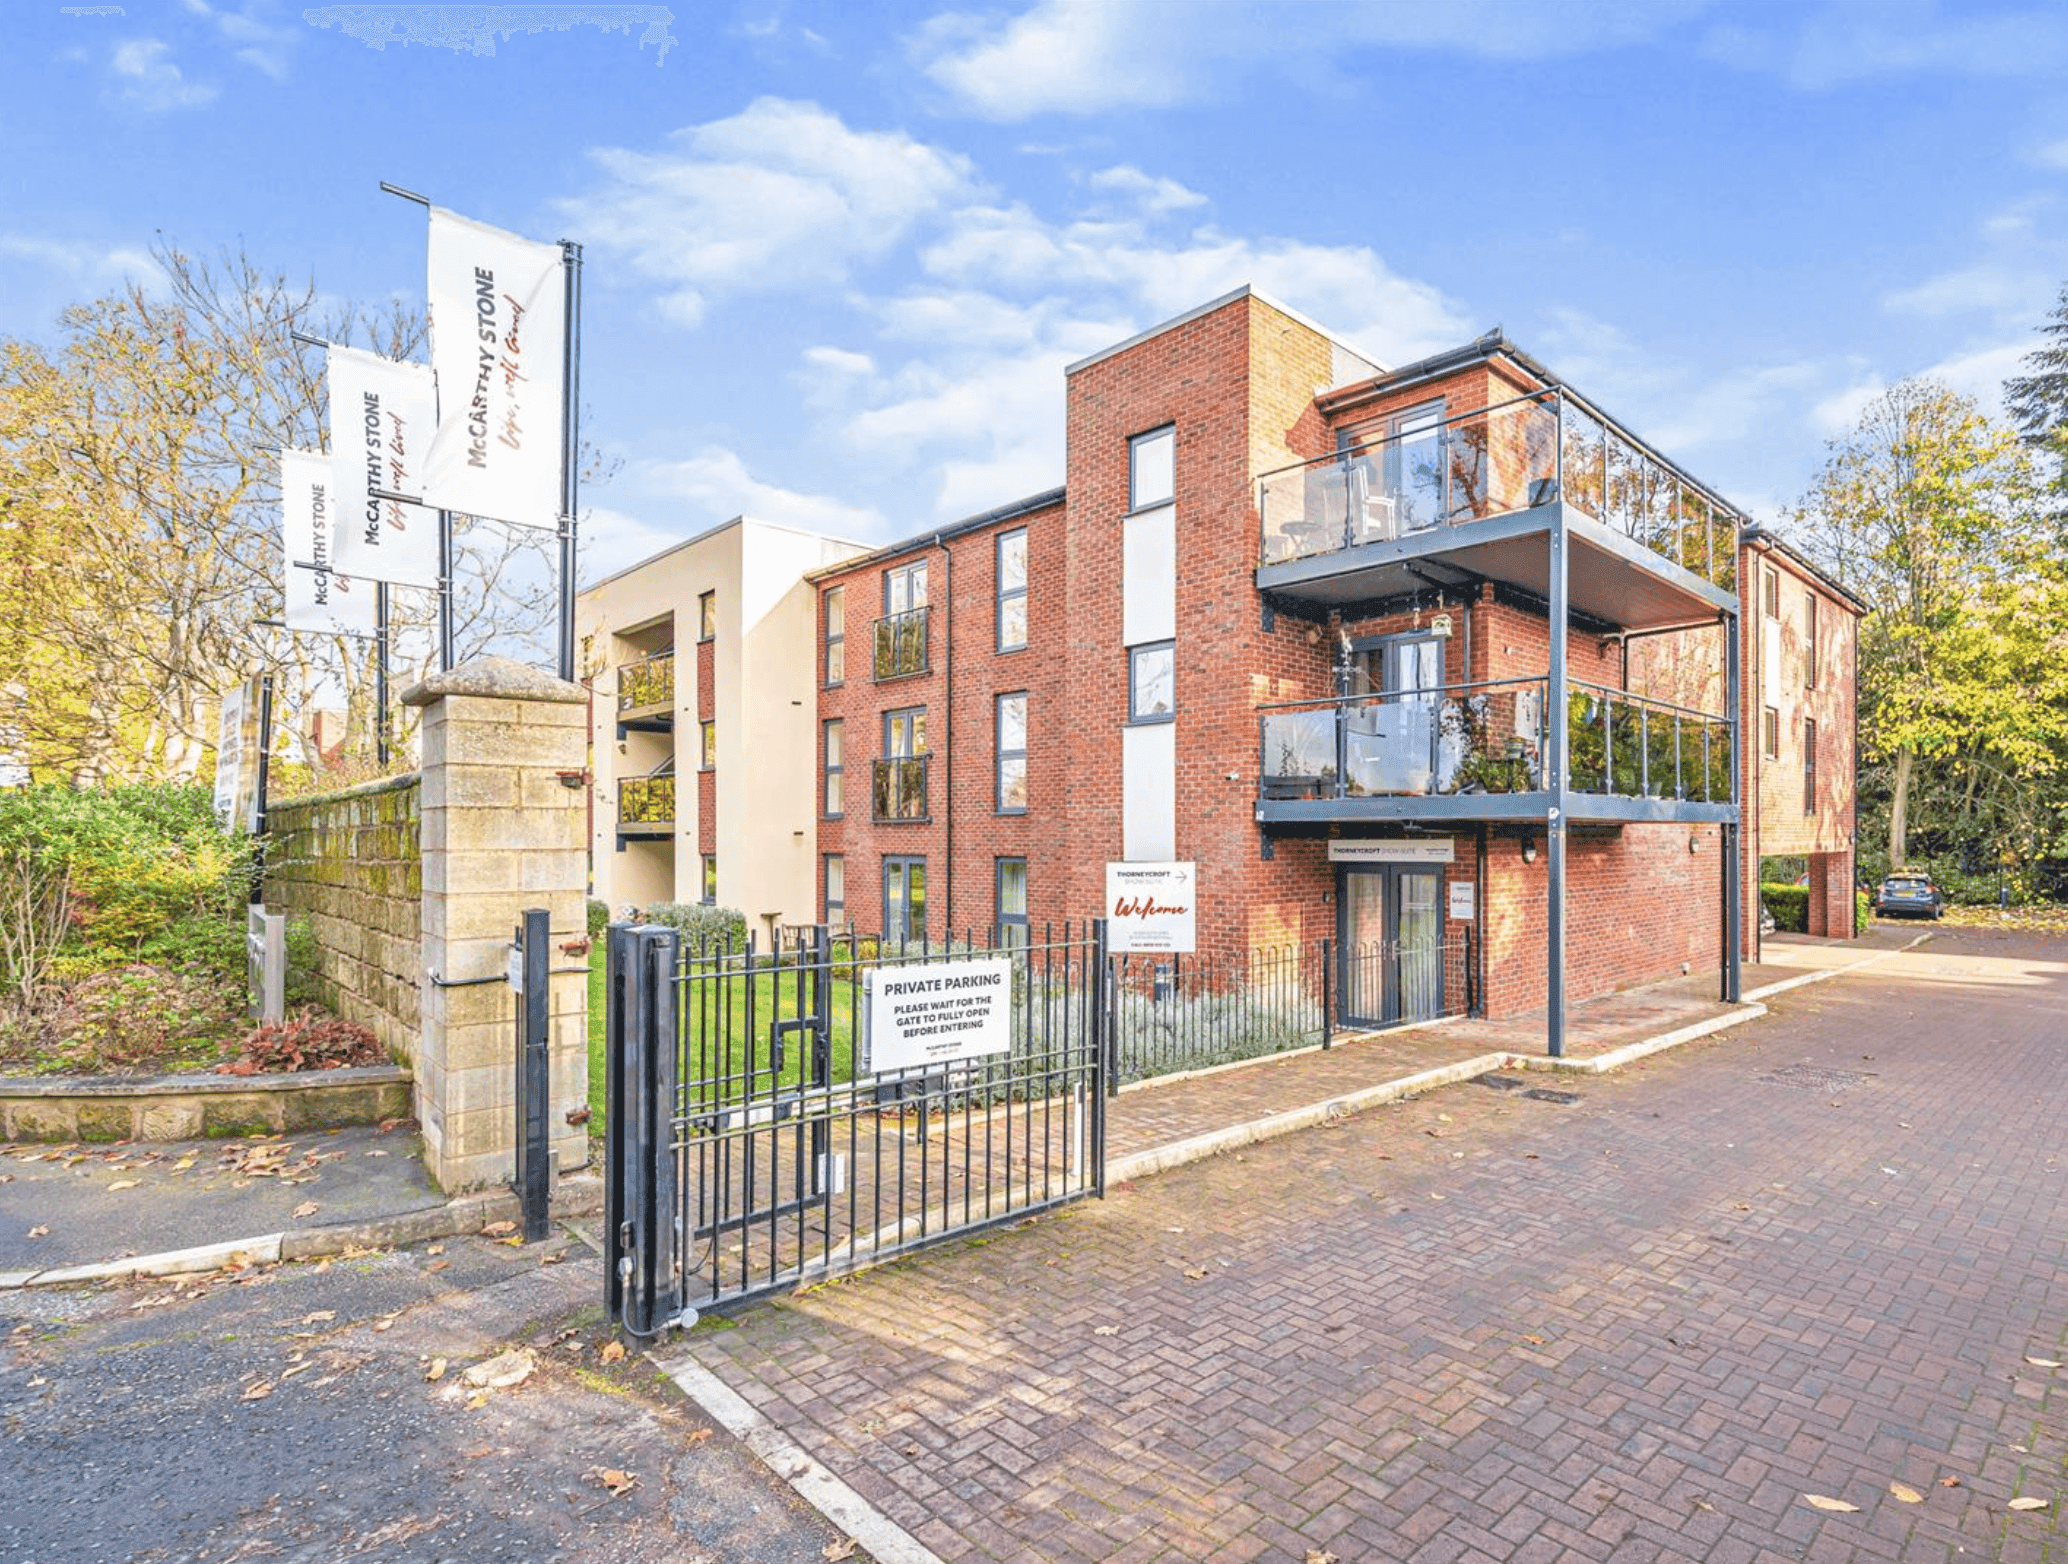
1149	793
1149	577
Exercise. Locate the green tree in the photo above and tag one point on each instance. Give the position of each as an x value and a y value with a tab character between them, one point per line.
2038	401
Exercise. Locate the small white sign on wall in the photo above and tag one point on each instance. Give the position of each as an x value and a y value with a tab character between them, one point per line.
935	1012
1461	900
1434	850
1151	908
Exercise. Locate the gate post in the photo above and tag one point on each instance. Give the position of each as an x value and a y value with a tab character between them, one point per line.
1105	1078
533	1182
641	1284
1328	1007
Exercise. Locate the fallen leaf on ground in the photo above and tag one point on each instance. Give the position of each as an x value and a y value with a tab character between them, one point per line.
504	1371
124	1183
699	1436
438	1265
477	1401
1906	1493
1105	1330
39	1232
1194	1273
183	1164
435	1372
320	1317
258	1392
836	1551
435	1249
611	1478
2028	1503
497	1229
307	1208
477	1452
1949	1482
612	1351
299	1368
2044	1363
1319	1556
1823	1501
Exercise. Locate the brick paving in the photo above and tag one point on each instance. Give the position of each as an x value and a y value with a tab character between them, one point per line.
1808	1255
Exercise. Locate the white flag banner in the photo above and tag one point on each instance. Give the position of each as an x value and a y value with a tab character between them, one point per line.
381	416
318	599
498	328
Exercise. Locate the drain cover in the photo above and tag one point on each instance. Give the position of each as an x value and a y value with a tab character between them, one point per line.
1808	1078
1545	1094
1500	1083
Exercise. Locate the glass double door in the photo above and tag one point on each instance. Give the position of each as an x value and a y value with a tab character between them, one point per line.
1390	934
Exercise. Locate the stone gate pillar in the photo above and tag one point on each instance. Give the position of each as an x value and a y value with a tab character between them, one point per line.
500	832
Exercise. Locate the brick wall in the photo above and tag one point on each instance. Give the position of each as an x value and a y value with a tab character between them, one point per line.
348	863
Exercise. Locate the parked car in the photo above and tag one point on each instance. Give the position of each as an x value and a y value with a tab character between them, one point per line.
1909	895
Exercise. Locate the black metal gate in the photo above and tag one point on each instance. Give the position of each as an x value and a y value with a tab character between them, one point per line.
751	1147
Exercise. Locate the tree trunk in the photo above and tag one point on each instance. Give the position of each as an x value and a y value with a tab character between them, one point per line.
1898	814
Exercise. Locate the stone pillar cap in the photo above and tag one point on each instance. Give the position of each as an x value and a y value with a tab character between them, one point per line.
496	678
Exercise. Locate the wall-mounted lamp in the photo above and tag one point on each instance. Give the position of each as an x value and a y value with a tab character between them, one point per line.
1694	842
1529	849
573	779
1440	625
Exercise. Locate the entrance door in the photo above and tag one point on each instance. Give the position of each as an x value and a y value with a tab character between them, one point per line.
1391	940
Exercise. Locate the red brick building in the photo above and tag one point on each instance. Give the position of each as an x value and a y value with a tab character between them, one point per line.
1438	662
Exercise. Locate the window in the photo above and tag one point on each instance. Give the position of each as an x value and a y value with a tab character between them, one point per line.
904	588
1809	640
1809	766
1151	476
707	739
1012	754
1014	931
904	899
898	780
707	616
1012	590
836	635
710	879
835	770
1770	593
836	889
904	733
1770	733
1152	682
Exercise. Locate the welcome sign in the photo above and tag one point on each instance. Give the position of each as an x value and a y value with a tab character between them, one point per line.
498	333
381	416
1151	908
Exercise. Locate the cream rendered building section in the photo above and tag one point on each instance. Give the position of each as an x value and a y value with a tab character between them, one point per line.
764	701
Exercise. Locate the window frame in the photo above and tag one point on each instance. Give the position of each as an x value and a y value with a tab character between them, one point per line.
1809	765
833	787
1809	640
1770	731
890	715
1005	594
1001	755
707	743
707	616
905	862
1135	503
911	571
831	864
1135	717
1770	593
709	884
1007	922
833	643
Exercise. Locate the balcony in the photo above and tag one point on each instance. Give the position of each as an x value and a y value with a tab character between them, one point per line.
897	788
1475	751
900	644
646	694
646	806
1477	491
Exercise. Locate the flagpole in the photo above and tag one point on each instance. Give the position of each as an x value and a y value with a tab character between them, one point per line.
380	673
570	452
444	590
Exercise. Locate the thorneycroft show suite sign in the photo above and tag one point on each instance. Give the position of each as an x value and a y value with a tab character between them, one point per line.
1151	908
936	1012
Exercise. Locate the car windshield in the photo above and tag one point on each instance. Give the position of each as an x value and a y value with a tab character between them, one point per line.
1909	885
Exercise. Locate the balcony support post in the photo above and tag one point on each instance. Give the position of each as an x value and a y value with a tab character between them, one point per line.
1557	782
1733	866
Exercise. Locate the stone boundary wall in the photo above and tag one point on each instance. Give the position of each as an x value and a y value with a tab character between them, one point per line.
351	864
187	1107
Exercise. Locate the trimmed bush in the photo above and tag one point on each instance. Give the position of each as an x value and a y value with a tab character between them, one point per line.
701	926
1863	912
1789	904
599	917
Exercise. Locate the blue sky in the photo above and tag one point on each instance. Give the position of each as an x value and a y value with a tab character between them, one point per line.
836	256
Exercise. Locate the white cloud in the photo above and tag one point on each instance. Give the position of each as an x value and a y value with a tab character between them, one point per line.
782	195
1984	287
259	43
1095	56
613	540
2054	154
1840	43
716	484
145	78
1150	193
86	262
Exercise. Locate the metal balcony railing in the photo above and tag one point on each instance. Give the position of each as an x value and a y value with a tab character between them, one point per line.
901	644
897	788
647	683
1489	738
648	801
1513	456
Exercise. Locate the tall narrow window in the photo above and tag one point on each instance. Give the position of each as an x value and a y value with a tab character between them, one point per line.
707	737
707	616
1809	766
1151	469
1014	930
836	635
1770	593
904	588
1770	732
836	889
898	785
1012	590
1152	682
835	769
901	638
710	879
904	732
1012	754
1809	640
904	899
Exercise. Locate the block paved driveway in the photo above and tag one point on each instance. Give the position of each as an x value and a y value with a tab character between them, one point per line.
1811	1255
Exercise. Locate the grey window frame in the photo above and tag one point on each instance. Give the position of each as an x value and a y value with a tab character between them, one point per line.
905	861
1135	442
707	616
902	711
833	789
1770	731
707	743
1134	717
1809	765
834	602
910	571
709	887
1001	754
1005	922
826	871
1007	594
1809	640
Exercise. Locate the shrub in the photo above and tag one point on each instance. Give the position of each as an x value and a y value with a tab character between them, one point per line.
701	926
1863	912
304	965
202	943
1789	904
306	1041
599	917
139	1015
